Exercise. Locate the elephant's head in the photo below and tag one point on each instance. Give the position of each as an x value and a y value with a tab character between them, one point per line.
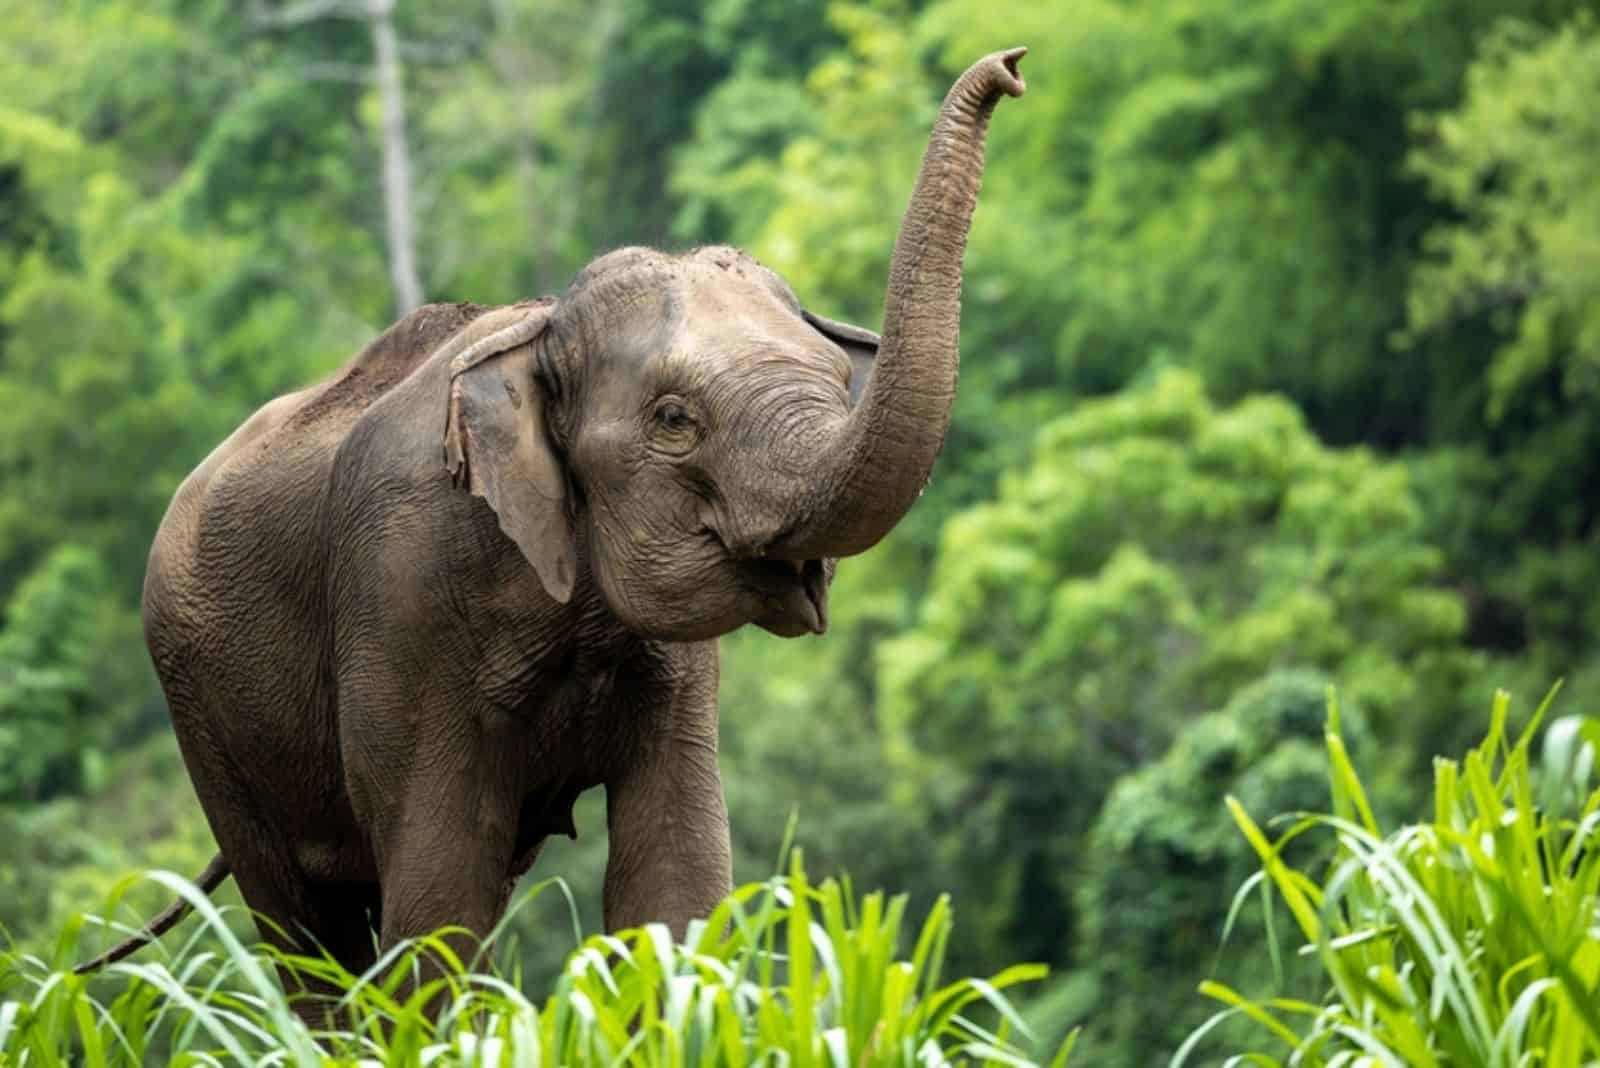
707	444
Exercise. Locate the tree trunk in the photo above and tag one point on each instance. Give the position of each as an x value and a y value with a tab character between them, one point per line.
504	54
396	159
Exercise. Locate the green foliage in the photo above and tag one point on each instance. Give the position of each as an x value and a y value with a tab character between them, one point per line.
65	853
781	972
1158	865
1510	278
45	699
1229	190
1156	554
1470	938
1517	161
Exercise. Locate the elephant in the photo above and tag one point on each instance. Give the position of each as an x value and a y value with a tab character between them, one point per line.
404	617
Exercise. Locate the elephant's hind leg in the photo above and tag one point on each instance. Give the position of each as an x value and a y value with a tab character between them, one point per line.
338	921
314	922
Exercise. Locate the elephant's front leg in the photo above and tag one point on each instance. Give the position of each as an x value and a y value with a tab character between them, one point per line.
442	798
447	858
670	859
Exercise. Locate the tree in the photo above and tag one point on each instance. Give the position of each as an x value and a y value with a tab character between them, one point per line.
1516	161
1156	554
397	209
1514	274
1162	863
48	700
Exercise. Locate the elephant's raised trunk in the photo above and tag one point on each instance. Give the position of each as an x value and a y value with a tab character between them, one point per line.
874	470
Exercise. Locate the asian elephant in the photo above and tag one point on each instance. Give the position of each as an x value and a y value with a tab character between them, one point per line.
402	618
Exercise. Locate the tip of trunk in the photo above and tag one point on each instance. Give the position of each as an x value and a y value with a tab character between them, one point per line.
1008	79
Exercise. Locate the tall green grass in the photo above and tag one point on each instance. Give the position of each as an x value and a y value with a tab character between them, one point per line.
1472	939
783	973
1469	939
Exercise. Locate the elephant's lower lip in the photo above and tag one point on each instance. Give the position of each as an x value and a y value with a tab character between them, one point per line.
800	599
815	585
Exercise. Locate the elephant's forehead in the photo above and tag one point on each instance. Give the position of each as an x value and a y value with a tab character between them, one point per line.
629	328
712	295
704	325
732	318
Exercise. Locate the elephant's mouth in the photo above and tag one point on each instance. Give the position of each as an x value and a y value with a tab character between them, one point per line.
796	592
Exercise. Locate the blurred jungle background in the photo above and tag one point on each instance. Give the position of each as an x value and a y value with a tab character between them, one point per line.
1281	369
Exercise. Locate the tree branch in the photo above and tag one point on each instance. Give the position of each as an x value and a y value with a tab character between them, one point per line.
300	12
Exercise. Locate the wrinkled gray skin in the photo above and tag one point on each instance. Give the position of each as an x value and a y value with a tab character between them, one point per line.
404	617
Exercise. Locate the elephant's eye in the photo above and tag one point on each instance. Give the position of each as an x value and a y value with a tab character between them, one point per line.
677	433
673	416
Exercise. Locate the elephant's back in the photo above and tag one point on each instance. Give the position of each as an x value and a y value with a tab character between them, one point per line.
254	497
379	367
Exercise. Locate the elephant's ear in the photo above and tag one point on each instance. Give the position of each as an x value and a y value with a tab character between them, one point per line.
859	344
497	444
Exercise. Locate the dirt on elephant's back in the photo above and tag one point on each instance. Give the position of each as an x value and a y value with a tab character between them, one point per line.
390	357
